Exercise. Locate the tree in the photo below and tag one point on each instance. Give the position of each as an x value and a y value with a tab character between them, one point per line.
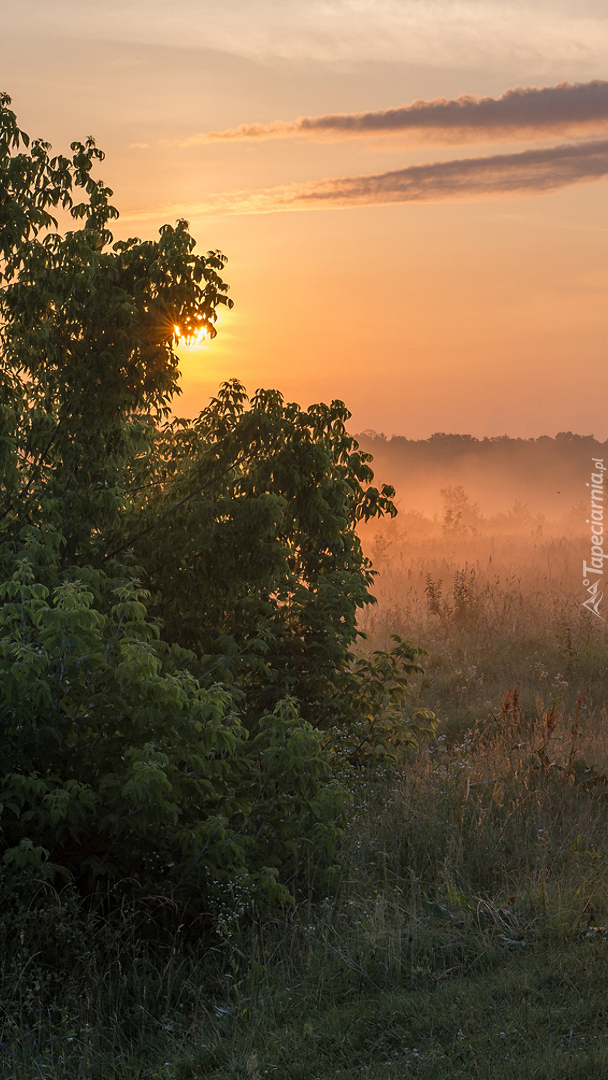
179	597
459	515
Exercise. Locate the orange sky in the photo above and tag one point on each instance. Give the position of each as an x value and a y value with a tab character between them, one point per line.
478	307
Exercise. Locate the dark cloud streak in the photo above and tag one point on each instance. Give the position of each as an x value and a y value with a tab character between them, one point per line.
519	113
530	172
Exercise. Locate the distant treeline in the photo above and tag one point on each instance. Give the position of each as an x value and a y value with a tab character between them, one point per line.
547	474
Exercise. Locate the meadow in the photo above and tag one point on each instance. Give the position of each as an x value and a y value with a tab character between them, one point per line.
467	935
493	609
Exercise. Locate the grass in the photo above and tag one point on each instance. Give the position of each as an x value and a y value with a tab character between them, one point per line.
466	939
507	611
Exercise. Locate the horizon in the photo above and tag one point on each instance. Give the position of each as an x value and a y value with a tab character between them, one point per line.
373	434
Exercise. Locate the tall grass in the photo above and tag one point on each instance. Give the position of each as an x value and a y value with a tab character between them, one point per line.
493	611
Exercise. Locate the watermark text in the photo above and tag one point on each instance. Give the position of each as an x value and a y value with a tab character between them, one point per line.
593	571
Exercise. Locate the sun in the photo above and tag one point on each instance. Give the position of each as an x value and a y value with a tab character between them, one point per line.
191	340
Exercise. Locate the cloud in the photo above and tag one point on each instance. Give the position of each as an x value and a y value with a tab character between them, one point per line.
473	34
530	172
527	173
522	114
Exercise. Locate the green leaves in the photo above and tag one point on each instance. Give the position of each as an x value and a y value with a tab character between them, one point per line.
377	722
119	764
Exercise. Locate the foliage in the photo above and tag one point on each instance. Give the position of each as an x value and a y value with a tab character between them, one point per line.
463	609
374	703
254	553
459	516
179	598
118	764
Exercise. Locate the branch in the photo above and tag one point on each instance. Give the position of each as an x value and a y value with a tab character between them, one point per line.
163	517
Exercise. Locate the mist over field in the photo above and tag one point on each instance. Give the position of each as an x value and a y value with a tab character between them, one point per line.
546	475
482	568
500	509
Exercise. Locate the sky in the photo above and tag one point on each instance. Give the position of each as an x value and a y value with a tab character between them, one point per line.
412	194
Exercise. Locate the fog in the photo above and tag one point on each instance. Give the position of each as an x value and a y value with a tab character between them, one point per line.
545	475
489	533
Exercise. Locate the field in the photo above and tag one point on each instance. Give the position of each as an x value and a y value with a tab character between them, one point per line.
493	611
468	936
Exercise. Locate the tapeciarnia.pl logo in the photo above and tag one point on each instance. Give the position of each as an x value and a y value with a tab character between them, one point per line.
593	572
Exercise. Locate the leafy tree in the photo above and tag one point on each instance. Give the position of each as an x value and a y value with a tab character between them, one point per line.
459	515
254	553
179	597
